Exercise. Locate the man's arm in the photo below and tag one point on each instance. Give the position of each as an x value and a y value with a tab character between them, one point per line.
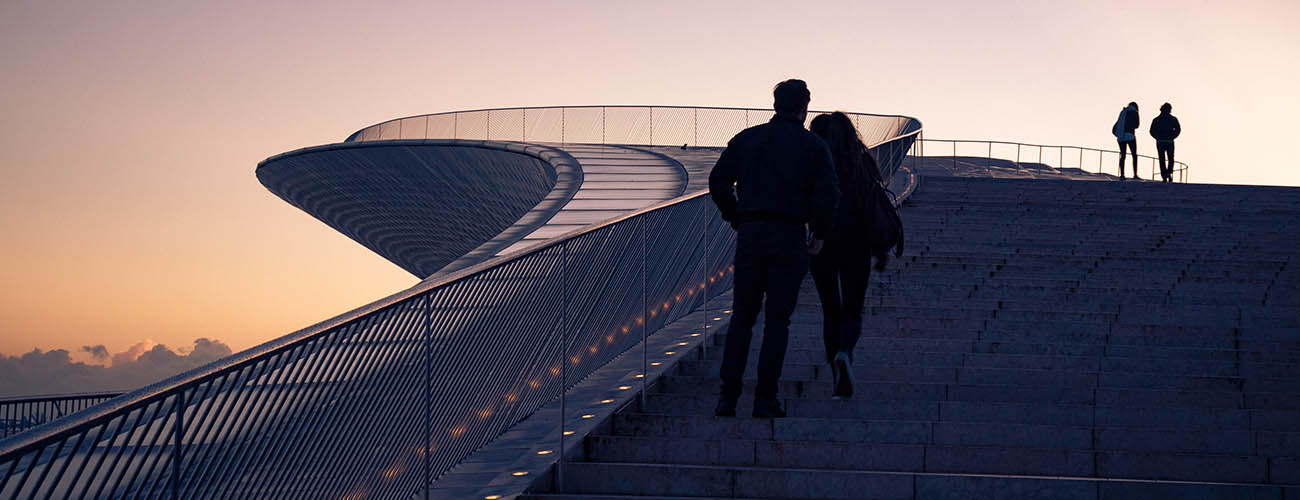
722	184
1178	128
825	192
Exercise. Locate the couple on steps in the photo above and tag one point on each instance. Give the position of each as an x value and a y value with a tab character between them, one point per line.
797	199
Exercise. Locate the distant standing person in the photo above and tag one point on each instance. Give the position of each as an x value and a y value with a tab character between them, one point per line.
771	181
841	270
1125	131
1165	129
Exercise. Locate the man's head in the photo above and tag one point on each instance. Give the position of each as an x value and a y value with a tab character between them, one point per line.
1166	108
791	98
1133	105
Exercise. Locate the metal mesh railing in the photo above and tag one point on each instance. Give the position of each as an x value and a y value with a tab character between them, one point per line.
1055	157
631	125
891	137
18	414
349	407
380	401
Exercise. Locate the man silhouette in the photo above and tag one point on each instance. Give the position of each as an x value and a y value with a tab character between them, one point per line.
1165	129
771	182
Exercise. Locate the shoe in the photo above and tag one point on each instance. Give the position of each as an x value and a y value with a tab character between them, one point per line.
835	375
843	370
726	406
768	408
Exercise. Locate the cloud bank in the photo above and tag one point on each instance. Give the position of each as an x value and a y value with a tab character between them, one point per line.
92	368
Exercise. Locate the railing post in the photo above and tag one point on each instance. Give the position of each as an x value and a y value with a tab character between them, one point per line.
564	358
178	450
1017	155
645	318
488	135
954	154
652	125
523	127
428	385
695	128
602	125
708	273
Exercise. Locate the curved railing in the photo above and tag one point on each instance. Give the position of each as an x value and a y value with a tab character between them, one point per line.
1055	157
380	401
892	137
18	414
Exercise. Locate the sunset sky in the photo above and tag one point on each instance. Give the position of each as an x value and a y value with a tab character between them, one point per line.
130	129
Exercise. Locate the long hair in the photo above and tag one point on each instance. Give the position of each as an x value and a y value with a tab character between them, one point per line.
848	151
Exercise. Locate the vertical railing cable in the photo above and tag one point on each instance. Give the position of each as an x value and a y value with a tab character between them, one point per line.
645	320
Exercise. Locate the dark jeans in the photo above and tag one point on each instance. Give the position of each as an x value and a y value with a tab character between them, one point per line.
771	260
1133	146
841	273
1166	150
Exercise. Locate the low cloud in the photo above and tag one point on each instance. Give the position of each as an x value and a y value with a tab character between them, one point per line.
94	369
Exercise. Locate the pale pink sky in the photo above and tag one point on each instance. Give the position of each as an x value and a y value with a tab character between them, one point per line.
131	129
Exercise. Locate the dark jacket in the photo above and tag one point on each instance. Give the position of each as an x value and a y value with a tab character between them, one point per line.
1165	127
851	216
776	171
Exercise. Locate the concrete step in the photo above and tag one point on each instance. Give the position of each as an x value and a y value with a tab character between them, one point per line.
932	458
1053	377
707	481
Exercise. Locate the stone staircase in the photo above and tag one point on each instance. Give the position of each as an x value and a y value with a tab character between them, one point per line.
1039	339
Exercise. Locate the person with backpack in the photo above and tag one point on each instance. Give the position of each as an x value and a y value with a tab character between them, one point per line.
771	182
1165	129
1125	129
865	225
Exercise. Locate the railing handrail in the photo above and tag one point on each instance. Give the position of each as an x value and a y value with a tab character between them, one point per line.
1179	166
42	398
594	106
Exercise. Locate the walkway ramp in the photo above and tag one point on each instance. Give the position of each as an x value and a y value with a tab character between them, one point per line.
1039	339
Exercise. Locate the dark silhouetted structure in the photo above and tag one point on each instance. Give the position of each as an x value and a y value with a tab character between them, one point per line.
841	270
1125	131
769	182
1165	128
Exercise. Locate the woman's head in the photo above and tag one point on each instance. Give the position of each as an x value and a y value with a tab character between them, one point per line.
838	131
846	147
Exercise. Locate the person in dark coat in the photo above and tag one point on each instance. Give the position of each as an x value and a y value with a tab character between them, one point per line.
771	183
1165	129
1125	132
842	268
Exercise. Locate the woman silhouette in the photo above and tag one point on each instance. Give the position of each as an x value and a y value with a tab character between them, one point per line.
842	267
